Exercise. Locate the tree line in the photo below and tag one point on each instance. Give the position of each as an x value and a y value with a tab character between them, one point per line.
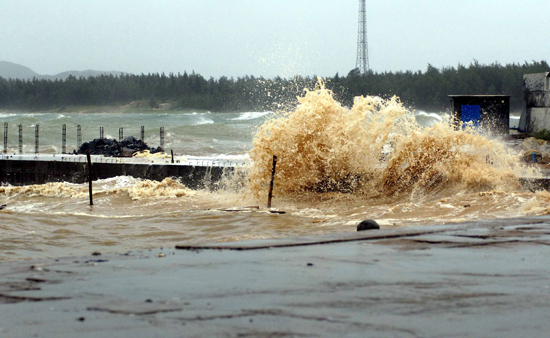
425	90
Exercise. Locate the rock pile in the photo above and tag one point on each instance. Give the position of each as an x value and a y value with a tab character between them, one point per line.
111	147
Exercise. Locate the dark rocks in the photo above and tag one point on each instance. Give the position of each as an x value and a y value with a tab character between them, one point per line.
111	147
368	224
107	147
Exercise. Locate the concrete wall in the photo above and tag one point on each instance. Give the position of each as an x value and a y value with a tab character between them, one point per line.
536	113
540	119
537	82
26	172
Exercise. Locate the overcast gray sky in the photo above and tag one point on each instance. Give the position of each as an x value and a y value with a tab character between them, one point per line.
268	37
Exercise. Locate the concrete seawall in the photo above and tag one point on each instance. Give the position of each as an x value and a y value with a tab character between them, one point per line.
195	174
40	169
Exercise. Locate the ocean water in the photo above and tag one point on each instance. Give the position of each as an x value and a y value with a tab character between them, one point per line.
188	132
336	167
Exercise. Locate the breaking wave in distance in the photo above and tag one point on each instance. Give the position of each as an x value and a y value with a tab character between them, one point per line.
251	115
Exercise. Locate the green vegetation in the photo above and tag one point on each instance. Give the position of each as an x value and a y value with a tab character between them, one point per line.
542	135
422	90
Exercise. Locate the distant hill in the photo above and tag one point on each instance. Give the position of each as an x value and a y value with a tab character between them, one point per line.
10	70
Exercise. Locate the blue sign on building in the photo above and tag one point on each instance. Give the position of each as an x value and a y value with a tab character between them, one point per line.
470	113
496	112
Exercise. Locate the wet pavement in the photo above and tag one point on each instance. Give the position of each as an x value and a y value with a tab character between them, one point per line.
479	279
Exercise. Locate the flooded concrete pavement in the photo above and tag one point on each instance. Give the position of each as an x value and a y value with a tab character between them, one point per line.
481	279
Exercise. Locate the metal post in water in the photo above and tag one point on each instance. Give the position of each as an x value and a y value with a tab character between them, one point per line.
120	134
36	129
88	157
64	139
5	137
162	137
78	136
142	133
270	195
20	139
101	130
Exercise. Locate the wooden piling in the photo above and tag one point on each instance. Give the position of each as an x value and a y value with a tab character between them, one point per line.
88	157
270	195
171	151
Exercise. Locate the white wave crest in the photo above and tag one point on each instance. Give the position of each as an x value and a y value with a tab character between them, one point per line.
251	115
203	120
436	116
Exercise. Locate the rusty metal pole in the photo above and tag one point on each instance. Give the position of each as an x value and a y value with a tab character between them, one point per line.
78	136
36	135
5	137
64	139
270	195
88	157
20	139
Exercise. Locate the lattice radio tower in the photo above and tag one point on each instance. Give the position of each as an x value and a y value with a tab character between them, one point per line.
362	62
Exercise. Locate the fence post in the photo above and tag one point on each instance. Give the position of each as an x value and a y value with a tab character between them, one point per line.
64	139
101	130
270	194
5	137
78	136
88	157
120	134
162	137
20	139
36	133
143	133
